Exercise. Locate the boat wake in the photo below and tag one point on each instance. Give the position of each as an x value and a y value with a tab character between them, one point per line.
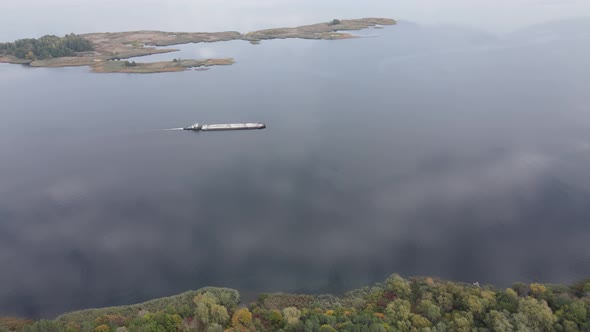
172	129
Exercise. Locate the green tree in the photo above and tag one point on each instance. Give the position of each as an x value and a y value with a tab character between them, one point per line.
569	326
499	321
102	328
215	328
399	286
46	47
575	311
208	311
377	327
534	315
228	298
43	326
327	328
461	321
399	310
420	322
445	301
520	288
473	304
311	326
429	310
218	314
203	303
507	300
276	320
292	315
441	327
72	327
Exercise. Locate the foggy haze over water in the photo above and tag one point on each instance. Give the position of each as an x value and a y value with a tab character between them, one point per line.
40	17
427	150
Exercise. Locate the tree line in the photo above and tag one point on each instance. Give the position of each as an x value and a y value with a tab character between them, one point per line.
46	47
396	305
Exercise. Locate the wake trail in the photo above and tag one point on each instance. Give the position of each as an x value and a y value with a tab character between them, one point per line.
170	129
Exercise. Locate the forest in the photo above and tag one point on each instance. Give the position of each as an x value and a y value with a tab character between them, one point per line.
417	304
46	47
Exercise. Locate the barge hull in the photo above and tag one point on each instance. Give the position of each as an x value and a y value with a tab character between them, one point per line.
228	126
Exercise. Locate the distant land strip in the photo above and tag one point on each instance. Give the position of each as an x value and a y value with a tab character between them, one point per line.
104	52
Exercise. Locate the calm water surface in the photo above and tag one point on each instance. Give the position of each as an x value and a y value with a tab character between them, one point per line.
416	150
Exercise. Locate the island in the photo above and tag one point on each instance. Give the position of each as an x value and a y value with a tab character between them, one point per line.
108	52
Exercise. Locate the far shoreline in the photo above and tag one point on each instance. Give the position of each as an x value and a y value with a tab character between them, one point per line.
108	49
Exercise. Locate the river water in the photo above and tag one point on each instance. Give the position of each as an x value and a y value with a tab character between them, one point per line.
416	150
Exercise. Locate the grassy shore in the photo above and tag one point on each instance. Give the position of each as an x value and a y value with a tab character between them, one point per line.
156	67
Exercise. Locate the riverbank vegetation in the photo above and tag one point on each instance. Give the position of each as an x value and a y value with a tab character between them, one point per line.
397	304
46	47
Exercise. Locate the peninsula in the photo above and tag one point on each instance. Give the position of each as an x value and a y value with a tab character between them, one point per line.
104	52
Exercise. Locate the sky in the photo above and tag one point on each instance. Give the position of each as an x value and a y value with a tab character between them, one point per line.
39	17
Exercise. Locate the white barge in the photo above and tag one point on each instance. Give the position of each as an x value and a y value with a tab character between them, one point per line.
225	126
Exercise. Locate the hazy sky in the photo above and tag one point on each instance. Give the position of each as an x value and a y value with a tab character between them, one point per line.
37	17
